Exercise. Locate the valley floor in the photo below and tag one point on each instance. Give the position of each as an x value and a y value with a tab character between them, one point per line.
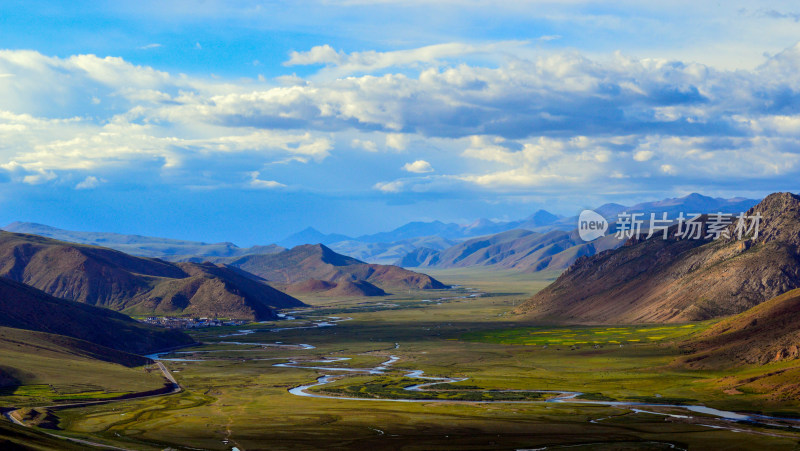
241	385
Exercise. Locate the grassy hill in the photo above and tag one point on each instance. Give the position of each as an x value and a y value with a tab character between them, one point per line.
38	368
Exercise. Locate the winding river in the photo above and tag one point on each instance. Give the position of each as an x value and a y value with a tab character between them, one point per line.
561	396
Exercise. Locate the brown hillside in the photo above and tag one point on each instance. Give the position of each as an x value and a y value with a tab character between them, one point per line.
679	280
115	280
318	262
342	288
769	332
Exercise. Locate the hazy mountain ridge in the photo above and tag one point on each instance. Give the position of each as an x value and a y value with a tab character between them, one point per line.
143	246
416	244
520	250
310	235
389	253
113	279
677	280
557	246
453	231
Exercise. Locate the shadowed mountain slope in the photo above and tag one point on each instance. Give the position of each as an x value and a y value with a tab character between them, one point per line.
24	307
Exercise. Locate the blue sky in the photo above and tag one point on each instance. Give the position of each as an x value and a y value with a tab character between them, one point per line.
249	120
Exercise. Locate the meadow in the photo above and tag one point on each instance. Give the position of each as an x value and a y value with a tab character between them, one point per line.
235	396
587	336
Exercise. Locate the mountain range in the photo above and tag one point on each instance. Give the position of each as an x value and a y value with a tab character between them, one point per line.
143	246
557	245
677	280
136	285
518	249
415	244
317	268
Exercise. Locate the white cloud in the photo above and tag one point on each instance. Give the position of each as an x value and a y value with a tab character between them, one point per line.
371	61
255	182
418	167
396	141
90	182
366	144
150	46
553	120
39	177
550	37
390	187
320	54
668	169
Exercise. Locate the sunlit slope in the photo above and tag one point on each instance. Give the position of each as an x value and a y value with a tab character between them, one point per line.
680	280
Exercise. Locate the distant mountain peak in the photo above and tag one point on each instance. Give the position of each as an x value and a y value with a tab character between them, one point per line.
543	217
696	196
481	222
310	235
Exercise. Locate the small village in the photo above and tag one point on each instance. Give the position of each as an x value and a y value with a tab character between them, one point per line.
182	322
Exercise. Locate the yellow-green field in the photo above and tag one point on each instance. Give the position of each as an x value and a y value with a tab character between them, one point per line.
586	336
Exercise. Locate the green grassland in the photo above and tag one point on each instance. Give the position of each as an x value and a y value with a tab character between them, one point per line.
395	388
235	397
38	369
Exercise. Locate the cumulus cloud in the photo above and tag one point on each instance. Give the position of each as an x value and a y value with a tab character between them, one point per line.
320	54
418	167
555	94
552	120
